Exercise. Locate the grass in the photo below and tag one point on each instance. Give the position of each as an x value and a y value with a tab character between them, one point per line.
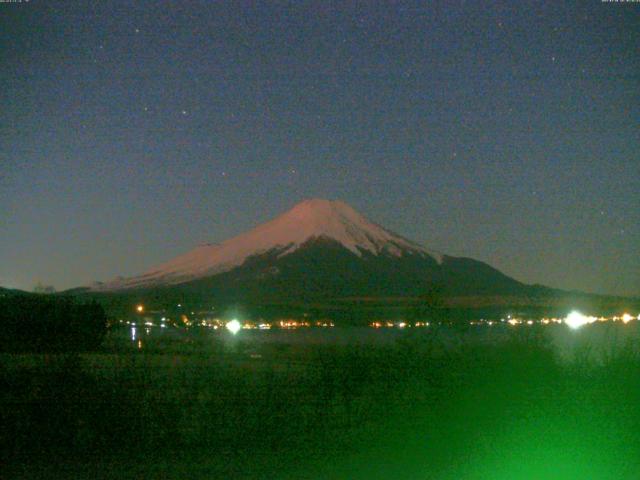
410	410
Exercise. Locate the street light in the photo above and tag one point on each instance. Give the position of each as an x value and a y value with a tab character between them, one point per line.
233	326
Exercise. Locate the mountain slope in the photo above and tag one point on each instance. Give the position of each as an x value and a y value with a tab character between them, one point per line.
318	249
309	220
323	269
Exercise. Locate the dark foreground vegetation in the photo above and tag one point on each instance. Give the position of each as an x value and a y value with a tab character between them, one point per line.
48	323
410	411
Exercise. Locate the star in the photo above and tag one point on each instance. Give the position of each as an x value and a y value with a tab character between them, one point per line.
184	112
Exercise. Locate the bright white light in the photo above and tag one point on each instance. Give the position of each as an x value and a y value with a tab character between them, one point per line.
626	318
233	326
576	320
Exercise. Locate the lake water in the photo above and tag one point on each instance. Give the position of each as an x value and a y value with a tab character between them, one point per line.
597	340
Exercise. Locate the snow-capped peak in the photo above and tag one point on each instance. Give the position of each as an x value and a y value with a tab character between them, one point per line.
310	219
338	221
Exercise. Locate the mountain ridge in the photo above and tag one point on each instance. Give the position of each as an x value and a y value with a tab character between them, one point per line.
312	218
322	258
317	253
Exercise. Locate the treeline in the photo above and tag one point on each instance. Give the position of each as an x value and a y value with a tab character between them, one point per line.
45	323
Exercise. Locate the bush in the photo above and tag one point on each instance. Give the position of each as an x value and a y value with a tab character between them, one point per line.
38	323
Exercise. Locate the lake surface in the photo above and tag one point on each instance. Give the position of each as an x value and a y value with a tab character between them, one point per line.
593	341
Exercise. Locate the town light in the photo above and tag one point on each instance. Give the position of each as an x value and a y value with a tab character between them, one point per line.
576	320
140	308
233	326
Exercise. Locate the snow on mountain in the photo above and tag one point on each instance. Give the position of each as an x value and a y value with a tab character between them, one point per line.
311	219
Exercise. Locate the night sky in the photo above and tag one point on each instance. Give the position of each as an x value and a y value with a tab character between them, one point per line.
508	132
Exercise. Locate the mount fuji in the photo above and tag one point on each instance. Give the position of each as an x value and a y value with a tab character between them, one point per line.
319	248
